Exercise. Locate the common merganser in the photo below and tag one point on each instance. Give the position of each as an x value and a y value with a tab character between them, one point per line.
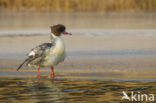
48	54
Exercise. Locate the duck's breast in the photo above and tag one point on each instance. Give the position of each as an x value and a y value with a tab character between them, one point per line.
56	54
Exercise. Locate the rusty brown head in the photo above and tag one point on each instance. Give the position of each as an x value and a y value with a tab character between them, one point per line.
59	29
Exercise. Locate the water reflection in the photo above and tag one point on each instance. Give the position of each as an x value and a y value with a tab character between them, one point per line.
69	91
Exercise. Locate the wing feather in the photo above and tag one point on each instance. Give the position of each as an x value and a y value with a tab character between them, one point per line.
36	55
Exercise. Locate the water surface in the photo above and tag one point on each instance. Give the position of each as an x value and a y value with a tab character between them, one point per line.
104	47
69	91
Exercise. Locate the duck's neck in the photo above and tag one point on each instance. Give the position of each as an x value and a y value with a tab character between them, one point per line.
53	36
58	41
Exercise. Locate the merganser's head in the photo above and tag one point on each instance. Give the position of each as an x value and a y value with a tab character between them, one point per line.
59	29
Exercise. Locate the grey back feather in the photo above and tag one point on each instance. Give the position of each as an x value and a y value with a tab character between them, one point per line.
40	53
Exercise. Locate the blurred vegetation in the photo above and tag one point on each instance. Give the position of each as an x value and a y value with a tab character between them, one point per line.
78	5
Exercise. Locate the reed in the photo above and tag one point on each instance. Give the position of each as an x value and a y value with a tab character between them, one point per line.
78	5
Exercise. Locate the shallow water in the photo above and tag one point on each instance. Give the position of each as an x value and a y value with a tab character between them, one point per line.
69	91
111	58
125	51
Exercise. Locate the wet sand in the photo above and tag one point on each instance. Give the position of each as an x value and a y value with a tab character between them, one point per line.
118	57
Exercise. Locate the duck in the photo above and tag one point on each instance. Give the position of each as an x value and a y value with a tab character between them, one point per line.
48	54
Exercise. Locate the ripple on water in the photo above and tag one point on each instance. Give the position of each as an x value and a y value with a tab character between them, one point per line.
26	90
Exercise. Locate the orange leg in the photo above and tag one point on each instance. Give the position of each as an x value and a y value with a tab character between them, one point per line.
52	73
38	73
38	70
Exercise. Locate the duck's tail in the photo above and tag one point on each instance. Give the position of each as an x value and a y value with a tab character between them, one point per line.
22	64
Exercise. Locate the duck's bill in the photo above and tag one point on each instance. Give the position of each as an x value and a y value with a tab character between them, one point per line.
66	33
